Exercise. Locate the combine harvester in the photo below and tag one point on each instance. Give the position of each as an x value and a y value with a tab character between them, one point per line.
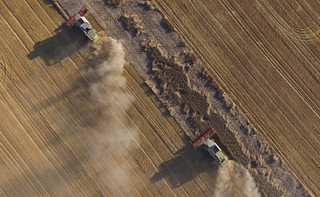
211	147
79	20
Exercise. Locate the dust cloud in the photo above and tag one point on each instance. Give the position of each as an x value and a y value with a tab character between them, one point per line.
235	180
113	138
111	145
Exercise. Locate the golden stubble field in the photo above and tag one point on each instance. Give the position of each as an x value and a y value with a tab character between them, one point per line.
265	55
55	117
71	125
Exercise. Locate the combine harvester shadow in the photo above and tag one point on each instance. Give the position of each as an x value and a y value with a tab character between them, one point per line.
187	165
64	43
227	179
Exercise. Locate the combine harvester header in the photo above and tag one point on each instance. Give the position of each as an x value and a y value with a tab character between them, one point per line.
210	146
80	21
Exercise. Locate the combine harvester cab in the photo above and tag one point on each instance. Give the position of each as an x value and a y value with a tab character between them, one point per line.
211	147
80	21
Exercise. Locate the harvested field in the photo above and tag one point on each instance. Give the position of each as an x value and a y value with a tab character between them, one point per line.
64	134
191	93
265	56
79	120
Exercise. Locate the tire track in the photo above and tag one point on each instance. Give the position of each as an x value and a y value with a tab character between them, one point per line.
249	73
4	67
314	9
270	60
213	73
310	101
288	82
212	28
271	138
266	8
307	34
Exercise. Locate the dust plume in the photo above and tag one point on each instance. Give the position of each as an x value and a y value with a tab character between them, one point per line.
112	136
103	71
235	180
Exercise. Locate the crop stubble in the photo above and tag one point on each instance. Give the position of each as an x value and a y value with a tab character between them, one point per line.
42	146
266	57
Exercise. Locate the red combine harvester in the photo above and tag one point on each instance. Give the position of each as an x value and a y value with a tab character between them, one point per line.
80	21
210	146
